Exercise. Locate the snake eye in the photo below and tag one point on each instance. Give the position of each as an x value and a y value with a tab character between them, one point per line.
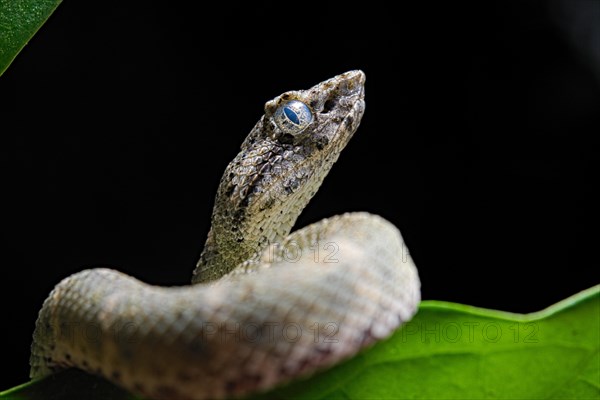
293	117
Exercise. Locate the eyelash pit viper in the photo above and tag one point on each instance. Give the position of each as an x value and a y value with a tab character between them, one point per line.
265	306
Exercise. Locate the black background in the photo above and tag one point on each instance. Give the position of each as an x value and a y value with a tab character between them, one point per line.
118	119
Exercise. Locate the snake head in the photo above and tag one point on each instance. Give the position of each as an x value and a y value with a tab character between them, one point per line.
329	112
300	136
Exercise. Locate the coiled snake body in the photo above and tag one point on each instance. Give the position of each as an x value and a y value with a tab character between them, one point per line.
272	305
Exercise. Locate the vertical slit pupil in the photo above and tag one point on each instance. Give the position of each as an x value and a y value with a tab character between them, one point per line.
292	116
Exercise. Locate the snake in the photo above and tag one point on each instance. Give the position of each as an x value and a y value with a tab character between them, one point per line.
265	306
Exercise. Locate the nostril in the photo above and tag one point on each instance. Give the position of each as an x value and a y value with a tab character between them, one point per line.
329	105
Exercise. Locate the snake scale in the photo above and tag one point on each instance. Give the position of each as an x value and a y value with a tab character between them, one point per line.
266	306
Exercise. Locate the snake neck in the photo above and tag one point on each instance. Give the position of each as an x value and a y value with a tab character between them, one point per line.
239	234
223	252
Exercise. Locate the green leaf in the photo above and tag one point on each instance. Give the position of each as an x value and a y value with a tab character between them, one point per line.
71	384
19	21
447	351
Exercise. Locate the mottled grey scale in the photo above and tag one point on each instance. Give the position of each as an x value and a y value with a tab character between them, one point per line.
272	307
